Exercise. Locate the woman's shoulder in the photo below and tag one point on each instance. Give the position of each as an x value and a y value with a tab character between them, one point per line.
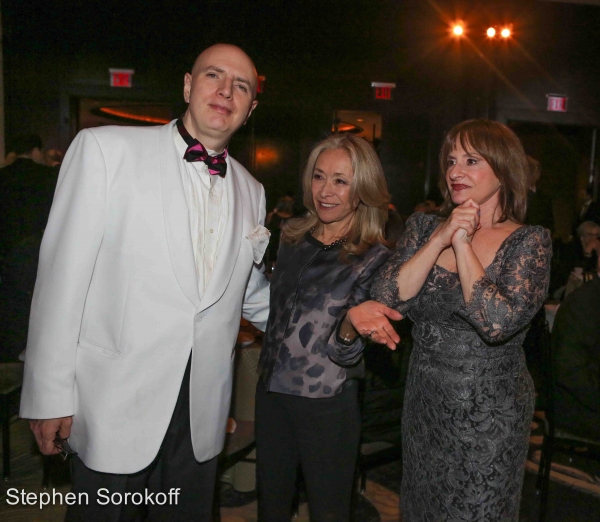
528	237
378	250
372	258
376	253
535	233
422	219
421	224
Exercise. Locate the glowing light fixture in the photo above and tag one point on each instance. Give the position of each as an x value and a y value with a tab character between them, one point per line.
266	154
505	33
132	116
491	32
458	29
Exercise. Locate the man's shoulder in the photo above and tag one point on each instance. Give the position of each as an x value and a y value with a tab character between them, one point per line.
243	174
119	132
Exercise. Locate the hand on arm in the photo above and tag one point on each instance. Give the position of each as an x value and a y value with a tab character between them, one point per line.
371	319
45	431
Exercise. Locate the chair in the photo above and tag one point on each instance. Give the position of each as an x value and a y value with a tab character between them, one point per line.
555	440
11	380
373	455
382	397
240	445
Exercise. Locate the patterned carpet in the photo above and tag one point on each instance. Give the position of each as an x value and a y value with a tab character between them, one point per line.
574	494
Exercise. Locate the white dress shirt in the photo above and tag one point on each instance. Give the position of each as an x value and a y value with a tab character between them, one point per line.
207	204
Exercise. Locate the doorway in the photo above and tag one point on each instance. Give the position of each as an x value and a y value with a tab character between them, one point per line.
565	153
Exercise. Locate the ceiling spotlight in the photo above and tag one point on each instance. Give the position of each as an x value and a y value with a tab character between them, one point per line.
491	32
458	30
505	33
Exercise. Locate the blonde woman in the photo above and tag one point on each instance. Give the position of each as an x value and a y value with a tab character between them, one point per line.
307	411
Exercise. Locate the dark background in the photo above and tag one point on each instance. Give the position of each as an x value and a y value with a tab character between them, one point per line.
319	57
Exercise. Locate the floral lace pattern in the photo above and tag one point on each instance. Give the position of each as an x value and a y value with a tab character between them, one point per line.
469	397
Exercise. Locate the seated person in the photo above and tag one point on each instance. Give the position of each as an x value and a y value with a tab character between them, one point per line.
572	260
576	353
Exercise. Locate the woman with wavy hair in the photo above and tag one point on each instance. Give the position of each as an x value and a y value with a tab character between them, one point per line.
307	411
471	281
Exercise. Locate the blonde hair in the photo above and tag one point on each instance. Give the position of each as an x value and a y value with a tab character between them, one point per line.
368	186
504	153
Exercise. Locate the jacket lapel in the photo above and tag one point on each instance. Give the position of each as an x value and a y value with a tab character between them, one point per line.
176	216
230	242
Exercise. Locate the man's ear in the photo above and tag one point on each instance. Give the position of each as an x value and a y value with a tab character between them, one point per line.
187	87
252	107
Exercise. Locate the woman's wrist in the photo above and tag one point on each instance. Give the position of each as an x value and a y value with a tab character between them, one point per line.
347	334
436	243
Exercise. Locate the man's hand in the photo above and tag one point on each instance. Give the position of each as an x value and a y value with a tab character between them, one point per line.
370	319
45	431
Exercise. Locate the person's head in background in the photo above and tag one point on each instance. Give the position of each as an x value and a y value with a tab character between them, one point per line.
589	235
29	146
285	206
53	157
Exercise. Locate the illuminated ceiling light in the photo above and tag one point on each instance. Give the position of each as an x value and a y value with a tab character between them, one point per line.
505	33
458	30
491	32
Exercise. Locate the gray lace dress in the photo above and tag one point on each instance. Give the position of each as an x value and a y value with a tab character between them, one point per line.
469	397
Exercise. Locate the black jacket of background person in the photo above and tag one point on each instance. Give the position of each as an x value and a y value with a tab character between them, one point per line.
539	210
26	191
576	351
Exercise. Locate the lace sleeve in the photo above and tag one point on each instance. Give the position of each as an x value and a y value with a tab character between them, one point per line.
500	309
385	286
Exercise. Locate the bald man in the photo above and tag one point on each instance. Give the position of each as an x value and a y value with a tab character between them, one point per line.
150	257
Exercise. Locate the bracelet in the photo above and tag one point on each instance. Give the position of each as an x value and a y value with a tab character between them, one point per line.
347	337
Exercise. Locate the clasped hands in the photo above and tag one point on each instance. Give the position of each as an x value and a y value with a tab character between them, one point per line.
461	225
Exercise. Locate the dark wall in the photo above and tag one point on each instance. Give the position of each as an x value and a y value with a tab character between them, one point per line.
317	57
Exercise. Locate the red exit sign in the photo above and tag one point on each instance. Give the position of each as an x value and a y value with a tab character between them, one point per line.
383	90
556	102
121	77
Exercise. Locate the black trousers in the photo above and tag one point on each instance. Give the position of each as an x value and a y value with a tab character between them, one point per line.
136	497
320	435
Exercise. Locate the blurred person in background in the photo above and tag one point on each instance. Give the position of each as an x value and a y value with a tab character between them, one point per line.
27	187
573	260
539	206
576	357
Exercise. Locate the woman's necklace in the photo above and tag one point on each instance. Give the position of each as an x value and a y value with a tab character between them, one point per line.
337	242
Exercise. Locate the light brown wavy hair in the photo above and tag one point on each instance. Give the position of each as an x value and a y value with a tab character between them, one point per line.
368	186
503	151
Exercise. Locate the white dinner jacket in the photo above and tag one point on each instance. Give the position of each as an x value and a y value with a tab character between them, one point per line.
116	308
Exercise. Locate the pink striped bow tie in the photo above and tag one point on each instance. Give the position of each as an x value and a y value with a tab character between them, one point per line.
197	152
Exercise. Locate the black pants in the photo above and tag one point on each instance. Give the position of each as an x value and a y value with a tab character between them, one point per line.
174	467
320	435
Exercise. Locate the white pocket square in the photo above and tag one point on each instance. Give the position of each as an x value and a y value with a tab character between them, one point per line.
259	239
